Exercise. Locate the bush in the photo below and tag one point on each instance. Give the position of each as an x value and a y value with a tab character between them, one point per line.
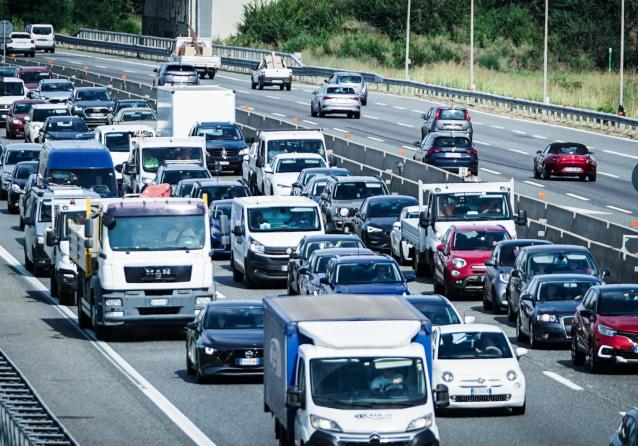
490	60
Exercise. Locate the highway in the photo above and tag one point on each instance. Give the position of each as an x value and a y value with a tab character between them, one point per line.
135	390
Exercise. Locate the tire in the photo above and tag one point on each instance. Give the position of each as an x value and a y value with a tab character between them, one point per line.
402	259
21	224
519	410
545	174
511	315
52	50
84	321
321	113
253	85
519	333
592	178
189	365
102	333
450	293
438	288
54	286
288	87
281	87
211	75
364	102
487	305
419	268
357	115
28	264
496	308
65	297
291	291
238	276
313	113
582	177
533	344
537	174
595	365
250	282
33	54
578	357
261	84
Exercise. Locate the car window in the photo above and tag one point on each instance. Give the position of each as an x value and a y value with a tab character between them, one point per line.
349	79
56	86
67	125
234	318
367	273
11	88
181	68
340	90
222	132
16	156
92	95
42	30
618	302
452	114
474	345
298	164
311	247
452	141
20	36
478	240
284	219
508	254
576	149
438	314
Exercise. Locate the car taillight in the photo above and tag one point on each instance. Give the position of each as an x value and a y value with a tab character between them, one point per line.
328	97
467	115
437	115
433	150
471	151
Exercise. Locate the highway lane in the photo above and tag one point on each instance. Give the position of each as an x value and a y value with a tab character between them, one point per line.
392	123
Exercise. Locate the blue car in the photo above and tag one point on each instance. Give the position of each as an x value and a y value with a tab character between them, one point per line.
309	278
220	235
438	309
365	275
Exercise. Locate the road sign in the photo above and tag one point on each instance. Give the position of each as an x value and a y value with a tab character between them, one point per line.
6	28
634	177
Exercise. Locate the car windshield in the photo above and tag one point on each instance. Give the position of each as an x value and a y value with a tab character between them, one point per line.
222	192
340	90
41	114
284	219
452	114
92	95
16	156
367	273
298	164
117	141
562	262
157	233
42	30
184	190
618	302
247	318
294	146
478	240
220	133
438	314
368	382
452	141
388	208
575	149
145	115
563	290
33	77
101	181
11	89
56	86
175	176
472	206
8	71
132	104
350	79
154	157
473	345
325	244
22	108
358	190
22	172
67	125
77	217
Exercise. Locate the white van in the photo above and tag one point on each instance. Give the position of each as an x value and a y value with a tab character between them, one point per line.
43	36
265	230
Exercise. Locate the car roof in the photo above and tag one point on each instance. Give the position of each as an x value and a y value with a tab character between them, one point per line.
184	166
23	146
342	251
555	277
215	123
468	228
450	107
275	200
56	80
617	287
35	69
324	237
390	197
462	328
353	179
554	248
235	303
365	258
297	155
216	182
522	241
65	118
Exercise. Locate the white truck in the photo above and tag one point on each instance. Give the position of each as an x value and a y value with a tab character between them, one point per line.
272	70
199	53
349	370
447	204
142	261
179	107
270	143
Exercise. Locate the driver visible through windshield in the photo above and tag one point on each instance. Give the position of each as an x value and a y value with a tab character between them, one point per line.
157	233
472	207
473	345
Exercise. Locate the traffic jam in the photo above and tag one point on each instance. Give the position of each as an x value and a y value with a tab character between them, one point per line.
124	205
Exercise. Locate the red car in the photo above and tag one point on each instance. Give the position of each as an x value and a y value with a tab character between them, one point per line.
605	327
31	76
565	159
14	121
459	264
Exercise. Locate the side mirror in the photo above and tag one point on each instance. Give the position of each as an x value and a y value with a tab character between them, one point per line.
294	398
409	277
332	160
396	225
259	162
324	280
118	168
489	263
325	81
267	169
26	119
239	230
296	184
520	351
424	116
49	238
303	271
424	219
294	255
441	397
526	297
192	325
29	221
324	196
592	153
250	140
588	314
517	273
155	70
440	247
521	218
469	319
605	273
538	152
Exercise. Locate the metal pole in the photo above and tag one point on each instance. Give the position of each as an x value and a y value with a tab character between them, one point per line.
407	43
609	61
545	98
622	56
472	86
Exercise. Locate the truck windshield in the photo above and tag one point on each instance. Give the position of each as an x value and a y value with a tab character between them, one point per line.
157	233
295	146
117	141
474	345
367	273
77	217
101	181
473	206
298	164
284	219
154	157
11	89
368	382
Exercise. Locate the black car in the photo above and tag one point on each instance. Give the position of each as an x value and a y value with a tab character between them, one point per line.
173	73
63	127
498	269
21	173
310	243
93	104
225	144
220	189
373	222
306	174
548	259
226	338
627	432
449	151
547	307
437	308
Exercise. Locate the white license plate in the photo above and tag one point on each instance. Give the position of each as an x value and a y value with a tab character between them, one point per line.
159	302
573	169
480	391
224	163
452	126
453	155
249	361
284	268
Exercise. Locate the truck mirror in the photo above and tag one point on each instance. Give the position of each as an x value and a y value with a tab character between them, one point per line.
441	397
88	243
294	398
489	263
118	168
521	218
294	255
424	219
238	230
88	228
155	70
324	196
332	160
49	239
192	325
324	280
409	277
267	170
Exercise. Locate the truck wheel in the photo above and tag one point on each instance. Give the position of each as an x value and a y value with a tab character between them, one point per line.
261	84
238	276
357	115
28	264
253	85
102	333
21	224
419	268
65	297
54	286
281	87
211	74
84	321
288	87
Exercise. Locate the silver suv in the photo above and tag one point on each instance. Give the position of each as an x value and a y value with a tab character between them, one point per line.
452	119
354	80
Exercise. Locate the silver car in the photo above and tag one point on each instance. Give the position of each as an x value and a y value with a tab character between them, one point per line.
354	80
335	99
171	73
53	90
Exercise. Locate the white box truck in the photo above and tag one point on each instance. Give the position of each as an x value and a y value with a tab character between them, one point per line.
179	107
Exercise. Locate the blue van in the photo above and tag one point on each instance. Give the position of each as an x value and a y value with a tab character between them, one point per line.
87	164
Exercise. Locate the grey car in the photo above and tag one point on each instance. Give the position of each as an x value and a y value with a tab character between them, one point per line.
335	99
172	73
446	118
449	151
53	90
354	80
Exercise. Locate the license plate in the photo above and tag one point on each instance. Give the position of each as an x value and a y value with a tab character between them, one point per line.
284	268
453	155
277	81
480	391
159	302
452	126
573	169
224	163
248	361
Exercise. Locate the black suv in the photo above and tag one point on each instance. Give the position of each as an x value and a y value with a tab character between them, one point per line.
220	189
224	145
93	104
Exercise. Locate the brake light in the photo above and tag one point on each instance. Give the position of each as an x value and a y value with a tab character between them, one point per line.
467	115
471	151
328	97
437	115
433	150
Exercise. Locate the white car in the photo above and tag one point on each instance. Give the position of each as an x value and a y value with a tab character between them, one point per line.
21	43
37	115
285	171
272	70
479	366
402	249
43	35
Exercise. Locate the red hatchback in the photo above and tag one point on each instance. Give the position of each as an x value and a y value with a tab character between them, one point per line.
459	264
565	159
605	327
14	121
31	76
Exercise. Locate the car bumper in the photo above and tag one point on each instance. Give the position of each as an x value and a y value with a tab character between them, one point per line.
423	437
378	240
267	268
469	284
340	224
551	332
44	44
20	50
571	169
505	396
340	108
276	80
226	363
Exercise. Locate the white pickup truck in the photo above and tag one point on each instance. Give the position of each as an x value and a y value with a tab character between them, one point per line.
199	54
444	205
272	70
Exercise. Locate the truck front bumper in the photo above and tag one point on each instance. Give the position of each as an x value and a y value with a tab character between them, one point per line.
276	80
263	267
423	437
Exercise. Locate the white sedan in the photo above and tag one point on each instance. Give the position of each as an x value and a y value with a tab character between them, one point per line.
401	249
479	366
285	171
21	43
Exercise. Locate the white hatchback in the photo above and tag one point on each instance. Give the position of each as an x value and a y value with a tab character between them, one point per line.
43	36
21	43
479	366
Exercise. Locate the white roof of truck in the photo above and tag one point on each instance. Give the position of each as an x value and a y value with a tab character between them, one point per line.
361	334
291	134
275	200
132	127
169	141
446	188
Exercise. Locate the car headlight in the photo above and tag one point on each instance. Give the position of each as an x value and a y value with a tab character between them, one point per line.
606	331
40	239
324	424
113	302
147	181
372	229
420	423
511	375
447	377
343	212
209	350
257	247
459	262
17	122
504	277
546	317
15	188
202	300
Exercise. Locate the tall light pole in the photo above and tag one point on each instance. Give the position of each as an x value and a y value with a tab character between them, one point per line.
621	108
472	86
407	43
545	98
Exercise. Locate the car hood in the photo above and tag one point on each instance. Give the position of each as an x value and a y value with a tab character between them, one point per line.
63	135
225	145
7	100
558	306
56	95
621	323
108	104
472	257
384	223
227	339
285	178
347	203
373	288
280	239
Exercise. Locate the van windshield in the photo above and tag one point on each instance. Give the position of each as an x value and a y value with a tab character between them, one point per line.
101	181
284	219
42	30
157	233
154	157
294	146
117	141
11	89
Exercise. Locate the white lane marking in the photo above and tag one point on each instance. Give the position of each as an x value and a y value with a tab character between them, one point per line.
376	139
103	67
519	132
398	108
578	197
538	137
402	124
518	151
75	63
560	141
310	122
489	171
564	381
278	114
478	123
498	127
129	71
150	74
622	414
624	211
302	103
626	155
308	91
417	111
586	211
410	148
243	91
122	60
272	97
339	130
380	103
610	175
162	403
482	143
531	183
230	78
370	117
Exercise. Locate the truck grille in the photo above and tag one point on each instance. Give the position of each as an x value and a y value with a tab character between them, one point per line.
276	251
217	153
480	398
157	274
154	311
96	111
